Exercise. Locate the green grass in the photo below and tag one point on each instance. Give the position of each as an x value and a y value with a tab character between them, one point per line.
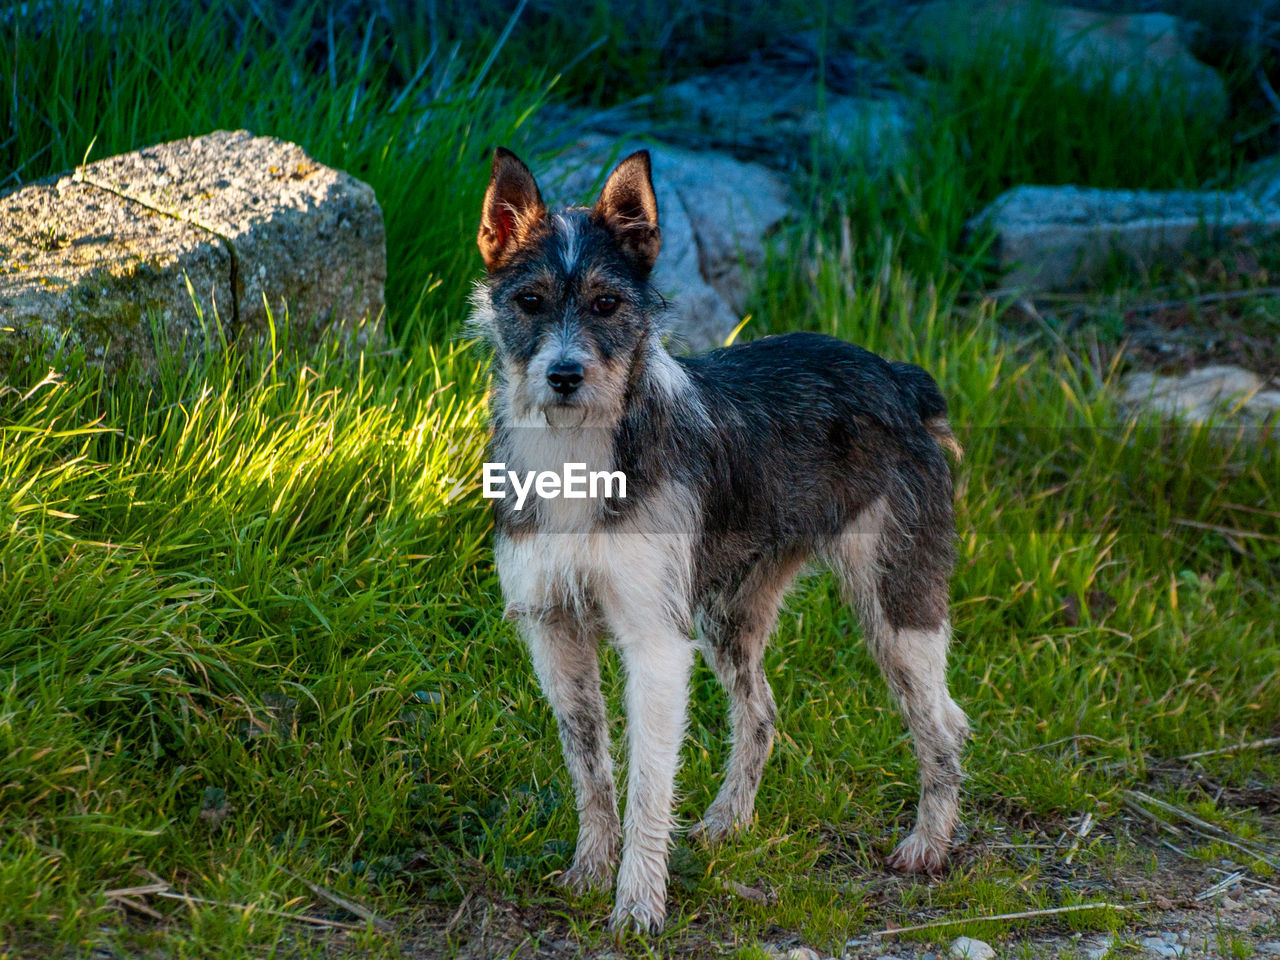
250	633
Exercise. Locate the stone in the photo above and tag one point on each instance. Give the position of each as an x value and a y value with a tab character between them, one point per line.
803	953
93	259
716	214
1271	947
967	948
1204	394
770	111
304	234
84	270
1096	949
1261	181
1062	238
1140	54
1160	947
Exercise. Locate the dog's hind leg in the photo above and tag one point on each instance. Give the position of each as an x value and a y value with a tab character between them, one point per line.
734	641
565	653
899	586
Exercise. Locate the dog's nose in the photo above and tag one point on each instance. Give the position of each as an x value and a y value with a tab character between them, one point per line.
564	377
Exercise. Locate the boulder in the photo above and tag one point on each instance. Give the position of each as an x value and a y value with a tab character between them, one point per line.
80	267
101	259
715	213
1142	54
764	108
1200	395
1061	238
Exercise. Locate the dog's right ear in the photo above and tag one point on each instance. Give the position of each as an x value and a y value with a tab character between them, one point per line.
512	208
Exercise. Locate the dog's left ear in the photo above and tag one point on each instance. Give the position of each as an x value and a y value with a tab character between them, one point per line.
629	207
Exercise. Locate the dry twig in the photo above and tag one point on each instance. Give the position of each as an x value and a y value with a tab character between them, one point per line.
1021	915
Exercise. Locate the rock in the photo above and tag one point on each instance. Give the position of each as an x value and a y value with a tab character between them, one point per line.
1059	238
1261	181
91	259
803	953
967	948
715	213
1203	394
1271	947
84	269
1140	54
1160	947
773	111
1096	949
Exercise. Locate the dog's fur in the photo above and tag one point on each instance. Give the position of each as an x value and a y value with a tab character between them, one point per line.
742	465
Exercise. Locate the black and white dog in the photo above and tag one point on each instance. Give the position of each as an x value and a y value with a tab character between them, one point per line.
742	465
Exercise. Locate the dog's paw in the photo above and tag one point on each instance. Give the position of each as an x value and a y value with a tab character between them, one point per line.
918	854
716	826
586	875
637	916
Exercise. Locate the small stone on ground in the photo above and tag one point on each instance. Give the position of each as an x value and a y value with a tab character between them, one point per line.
967	948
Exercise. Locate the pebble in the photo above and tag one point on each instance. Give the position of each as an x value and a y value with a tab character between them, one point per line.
967	948
1097	949
1270	946
1162	947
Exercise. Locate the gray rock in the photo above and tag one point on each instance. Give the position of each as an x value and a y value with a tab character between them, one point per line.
93	260
1261	181
1159	947
303	234
84	269
1271	947
1204	394
1141	54
1097	948
715	212
967	948
769	109
1059	238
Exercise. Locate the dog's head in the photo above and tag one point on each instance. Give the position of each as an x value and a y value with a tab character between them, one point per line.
567	304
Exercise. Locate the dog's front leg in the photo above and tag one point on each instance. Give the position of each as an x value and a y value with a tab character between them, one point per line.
658	664
565	657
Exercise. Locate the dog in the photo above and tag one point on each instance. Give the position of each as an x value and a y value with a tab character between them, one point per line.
743	465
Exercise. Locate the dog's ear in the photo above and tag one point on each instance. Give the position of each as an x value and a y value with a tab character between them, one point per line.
629	207
512	208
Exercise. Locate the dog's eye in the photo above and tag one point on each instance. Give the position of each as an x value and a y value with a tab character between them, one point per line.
604	305
529	302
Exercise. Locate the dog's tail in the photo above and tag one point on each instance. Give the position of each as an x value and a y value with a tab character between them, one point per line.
931	404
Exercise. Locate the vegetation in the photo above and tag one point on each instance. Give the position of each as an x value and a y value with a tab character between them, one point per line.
250	636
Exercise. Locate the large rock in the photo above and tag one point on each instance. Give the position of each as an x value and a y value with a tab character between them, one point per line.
1061	238
99	258
716	214
772	111
1142	54
1201	395
82	268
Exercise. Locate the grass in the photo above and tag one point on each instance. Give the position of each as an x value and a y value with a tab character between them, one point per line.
250	633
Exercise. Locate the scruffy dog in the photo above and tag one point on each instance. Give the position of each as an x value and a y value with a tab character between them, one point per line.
742	465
